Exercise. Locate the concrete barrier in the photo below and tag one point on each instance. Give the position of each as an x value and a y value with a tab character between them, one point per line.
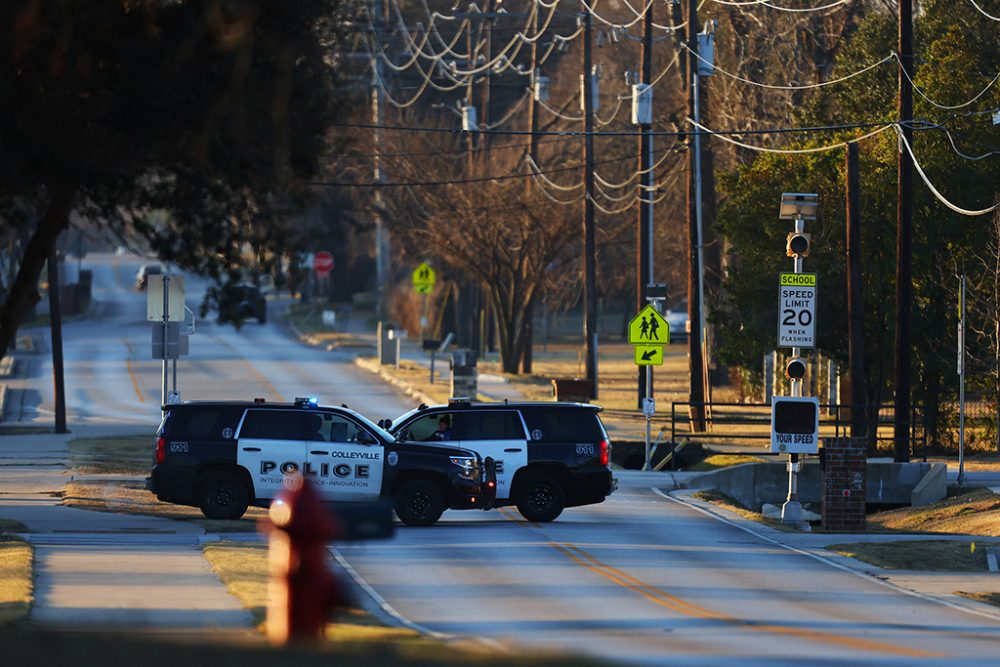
754	484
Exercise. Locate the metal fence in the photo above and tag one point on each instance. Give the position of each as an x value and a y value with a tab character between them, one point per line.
750	424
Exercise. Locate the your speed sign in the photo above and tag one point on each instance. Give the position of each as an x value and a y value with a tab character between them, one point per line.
797	310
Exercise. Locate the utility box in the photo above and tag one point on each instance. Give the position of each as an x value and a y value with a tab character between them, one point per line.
387	342
844	463
574	390
464	375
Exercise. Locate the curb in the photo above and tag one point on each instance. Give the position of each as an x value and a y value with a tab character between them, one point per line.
853	566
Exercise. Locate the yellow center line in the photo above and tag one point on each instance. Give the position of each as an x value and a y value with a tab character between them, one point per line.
131	372
664	599
262	379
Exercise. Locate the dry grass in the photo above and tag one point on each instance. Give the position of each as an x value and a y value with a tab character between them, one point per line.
976	512
728	503
129	455
988	598
308	320
15	579
123	497
11	526
923	555
976	464
724	461
242	566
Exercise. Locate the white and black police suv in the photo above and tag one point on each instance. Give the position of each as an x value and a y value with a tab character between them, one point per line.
224	456
548	456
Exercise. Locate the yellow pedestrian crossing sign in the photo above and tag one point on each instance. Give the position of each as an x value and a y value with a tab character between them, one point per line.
423	279
648	328
648	355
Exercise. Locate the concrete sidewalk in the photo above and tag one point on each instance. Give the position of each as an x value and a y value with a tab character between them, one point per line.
97	569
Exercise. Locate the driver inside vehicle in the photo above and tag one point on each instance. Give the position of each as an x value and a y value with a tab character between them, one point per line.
443	431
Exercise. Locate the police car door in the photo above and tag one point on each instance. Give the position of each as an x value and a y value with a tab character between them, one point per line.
344	461
496	433
271	446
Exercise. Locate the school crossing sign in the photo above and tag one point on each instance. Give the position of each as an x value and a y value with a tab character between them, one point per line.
797	310
649	332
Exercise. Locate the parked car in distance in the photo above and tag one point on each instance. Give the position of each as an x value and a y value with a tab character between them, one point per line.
677	320
146	270
239	302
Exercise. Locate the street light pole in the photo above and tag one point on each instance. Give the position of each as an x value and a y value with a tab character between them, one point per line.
589	242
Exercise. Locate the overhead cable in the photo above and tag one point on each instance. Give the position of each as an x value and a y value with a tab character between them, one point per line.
788	151
797	10
944	106
934	190
789	87
983	12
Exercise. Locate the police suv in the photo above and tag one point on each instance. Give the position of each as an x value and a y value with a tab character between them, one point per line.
548	456
224	456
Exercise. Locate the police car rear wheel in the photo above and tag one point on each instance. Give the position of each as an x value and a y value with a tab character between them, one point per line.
223	496
419	502
540	497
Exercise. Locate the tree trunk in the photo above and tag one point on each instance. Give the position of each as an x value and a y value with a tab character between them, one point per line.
24	292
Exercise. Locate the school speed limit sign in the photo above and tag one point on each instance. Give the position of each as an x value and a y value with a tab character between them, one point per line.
797	310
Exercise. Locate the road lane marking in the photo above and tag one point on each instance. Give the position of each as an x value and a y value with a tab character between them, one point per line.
263	380
827	561
131	372
668	601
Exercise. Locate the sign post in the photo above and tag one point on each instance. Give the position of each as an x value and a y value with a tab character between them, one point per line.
649	332
164	304
961	380
423	283
796	324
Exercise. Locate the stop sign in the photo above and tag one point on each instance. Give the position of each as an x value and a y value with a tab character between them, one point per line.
322	263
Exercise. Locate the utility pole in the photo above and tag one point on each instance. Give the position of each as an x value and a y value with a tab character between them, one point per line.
904	238
55	328
529	329
381	237
696	370
644	229
589	250
855	308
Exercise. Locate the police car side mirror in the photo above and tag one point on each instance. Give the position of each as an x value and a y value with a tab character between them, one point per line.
365	438
404	435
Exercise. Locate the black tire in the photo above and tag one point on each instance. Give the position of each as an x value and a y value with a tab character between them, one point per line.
222	495
262	316
419	502
540	497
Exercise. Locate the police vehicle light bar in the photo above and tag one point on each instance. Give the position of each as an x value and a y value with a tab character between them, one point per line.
301	402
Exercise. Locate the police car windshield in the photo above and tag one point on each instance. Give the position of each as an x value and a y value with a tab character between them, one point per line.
378	430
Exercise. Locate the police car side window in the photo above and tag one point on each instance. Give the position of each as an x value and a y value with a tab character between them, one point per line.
424	428
275	425
493	425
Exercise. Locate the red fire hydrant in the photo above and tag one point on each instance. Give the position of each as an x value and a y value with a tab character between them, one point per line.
301	590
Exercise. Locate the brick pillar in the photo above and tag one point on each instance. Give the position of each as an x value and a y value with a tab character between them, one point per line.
844	464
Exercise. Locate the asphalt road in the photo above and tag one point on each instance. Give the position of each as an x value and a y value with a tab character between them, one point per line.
641	578
111	378
646	579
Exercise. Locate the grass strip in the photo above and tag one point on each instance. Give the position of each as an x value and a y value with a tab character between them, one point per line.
11	526
131	455
717	461
25	646
729	503
988	598
243	566
128	497
15	579
922	555
975	512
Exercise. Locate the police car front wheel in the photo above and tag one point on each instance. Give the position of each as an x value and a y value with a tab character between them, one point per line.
223	496
540	497
419	502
